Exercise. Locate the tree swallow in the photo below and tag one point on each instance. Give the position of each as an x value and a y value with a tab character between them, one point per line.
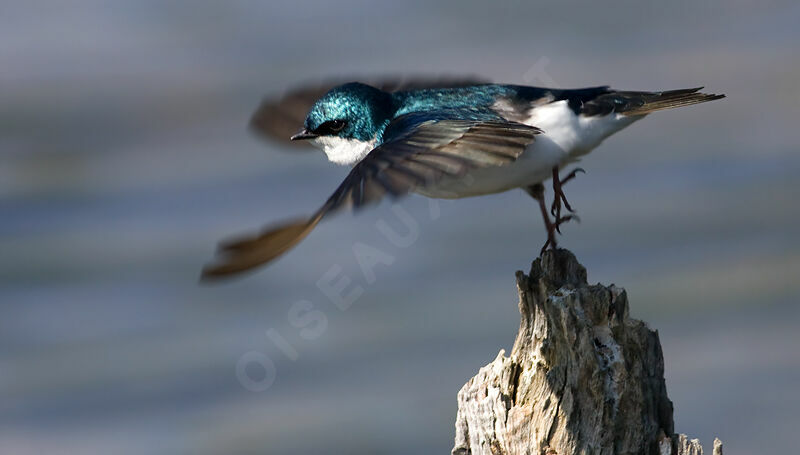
442	139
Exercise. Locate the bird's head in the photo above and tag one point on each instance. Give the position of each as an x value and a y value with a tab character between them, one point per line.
347	121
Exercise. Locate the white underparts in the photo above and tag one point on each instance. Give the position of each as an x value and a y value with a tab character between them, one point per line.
344	151
575	134
565	138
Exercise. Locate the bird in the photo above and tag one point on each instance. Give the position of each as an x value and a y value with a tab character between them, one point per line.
441	138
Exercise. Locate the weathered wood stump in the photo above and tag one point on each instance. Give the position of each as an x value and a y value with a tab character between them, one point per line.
582	377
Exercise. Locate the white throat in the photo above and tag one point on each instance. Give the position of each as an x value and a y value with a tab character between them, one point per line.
344	151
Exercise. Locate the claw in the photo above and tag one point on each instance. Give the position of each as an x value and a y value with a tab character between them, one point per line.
555	208
566	203
562	220
537	192
558	194
559	199
572	174
544	248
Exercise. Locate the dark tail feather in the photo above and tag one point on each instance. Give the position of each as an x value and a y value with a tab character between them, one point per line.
640	103
243	254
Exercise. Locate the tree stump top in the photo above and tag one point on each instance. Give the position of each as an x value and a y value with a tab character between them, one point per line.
582	377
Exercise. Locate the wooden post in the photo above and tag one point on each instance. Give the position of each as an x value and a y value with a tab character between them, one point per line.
582	377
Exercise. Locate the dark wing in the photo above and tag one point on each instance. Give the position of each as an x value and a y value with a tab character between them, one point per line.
422	154
424	148
280	118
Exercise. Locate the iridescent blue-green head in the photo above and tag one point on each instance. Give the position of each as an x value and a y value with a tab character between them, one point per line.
348	116
351	111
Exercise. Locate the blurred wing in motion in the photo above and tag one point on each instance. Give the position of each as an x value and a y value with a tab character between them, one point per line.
423	149
279	119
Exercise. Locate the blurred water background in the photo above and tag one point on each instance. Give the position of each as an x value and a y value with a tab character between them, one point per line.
124	157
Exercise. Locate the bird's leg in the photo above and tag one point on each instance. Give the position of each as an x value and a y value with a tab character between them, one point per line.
559	197
537	192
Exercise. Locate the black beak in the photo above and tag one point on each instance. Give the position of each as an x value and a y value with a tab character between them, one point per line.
303	134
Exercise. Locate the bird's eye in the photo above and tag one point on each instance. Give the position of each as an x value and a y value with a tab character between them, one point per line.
332	126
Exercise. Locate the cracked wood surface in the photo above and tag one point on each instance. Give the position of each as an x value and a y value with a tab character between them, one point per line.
582	377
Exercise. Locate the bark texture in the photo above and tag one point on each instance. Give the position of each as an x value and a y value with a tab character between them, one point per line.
582	377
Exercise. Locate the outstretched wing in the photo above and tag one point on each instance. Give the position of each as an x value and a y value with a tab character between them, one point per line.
280	118
423	149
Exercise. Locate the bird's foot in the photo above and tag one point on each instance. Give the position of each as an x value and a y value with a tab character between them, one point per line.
559	199
551	236
553	228
561	220
548	243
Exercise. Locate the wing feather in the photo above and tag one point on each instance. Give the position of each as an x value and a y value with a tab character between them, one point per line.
422	151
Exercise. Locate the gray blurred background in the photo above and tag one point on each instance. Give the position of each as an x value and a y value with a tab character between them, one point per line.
124	158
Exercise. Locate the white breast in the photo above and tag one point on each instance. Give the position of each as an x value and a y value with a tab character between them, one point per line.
344	151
